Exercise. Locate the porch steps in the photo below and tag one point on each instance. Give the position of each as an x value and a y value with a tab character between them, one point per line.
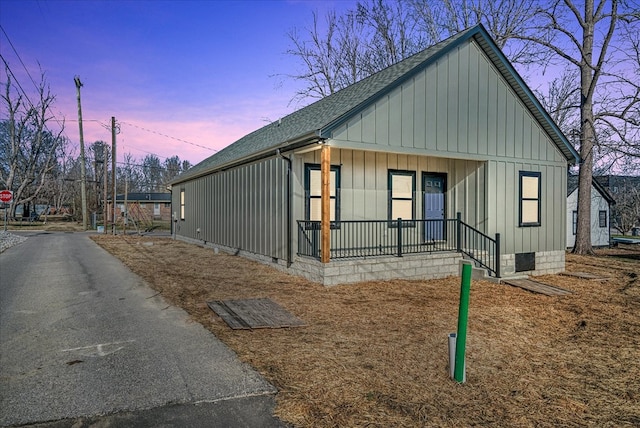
482	274
477	273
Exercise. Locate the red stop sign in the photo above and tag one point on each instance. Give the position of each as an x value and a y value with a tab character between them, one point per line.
6	196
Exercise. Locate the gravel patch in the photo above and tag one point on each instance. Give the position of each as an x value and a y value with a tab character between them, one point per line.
8	240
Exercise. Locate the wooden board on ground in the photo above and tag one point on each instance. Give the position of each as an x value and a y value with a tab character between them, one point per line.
537	287
254	313
586	275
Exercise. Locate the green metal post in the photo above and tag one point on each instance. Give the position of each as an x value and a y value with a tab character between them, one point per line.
463	312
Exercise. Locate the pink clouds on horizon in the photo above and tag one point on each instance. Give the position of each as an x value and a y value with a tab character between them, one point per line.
193	141
192	132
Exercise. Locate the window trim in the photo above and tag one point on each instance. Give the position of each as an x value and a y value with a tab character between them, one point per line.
602	218
182	204
308	167
521	199
390	174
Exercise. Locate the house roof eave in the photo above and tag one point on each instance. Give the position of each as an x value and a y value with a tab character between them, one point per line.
604	192
286	146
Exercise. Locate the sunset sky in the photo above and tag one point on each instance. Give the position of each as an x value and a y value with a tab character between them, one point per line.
176	75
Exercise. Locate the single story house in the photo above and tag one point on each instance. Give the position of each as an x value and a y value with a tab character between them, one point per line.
150	205
442	156
601	202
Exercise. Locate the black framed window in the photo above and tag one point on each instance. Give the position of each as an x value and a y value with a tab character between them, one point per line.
182	204
602	218
313	192
402	195
530	185
574	222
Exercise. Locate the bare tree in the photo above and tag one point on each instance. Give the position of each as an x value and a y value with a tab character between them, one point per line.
562	100
504	19
376	34
29	148
584	39
129	176
394	34
60	189
625	214
332	54
173	167
152	172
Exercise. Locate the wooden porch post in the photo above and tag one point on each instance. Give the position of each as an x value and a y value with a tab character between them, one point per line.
325	201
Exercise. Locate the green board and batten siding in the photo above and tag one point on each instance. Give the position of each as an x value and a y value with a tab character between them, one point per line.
461	107
241	208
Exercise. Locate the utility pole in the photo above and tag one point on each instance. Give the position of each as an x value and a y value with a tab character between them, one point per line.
95	181
105	187
113	172
83	171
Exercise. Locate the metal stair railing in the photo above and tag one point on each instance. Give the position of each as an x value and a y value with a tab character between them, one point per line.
481	248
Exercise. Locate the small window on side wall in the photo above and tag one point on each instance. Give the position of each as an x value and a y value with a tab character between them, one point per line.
181	204
530	198
575	222
602	218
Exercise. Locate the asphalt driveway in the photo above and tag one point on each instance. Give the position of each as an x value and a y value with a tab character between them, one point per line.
81	336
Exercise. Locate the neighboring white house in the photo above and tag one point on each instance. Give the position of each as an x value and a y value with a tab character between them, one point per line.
601	201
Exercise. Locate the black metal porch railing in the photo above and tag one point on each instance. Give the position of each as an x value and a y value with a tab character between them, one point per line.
368	238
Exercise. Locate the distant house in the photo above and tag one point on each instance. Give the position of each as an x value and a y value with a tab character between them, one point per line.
601	202
625	189
153	206
443	156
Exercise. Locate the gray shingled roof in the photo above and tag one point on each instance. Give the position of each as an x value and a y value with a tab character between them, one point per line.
145	196
310	121
572	185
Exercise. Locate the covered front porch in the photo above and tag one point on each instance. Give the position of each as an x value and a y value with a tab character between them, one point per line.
416	226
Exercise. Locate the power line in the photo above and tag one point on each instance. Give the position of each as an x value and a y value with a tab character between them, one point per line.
32	81
17	82
144	151
161	167
169	136
15	79
19	58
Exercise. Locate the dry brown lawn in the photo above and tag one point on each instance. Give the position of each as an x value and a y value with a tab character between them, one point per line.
375	353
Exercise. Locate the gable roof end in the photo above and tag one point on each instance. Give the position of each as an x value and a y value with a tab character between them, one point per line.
572	186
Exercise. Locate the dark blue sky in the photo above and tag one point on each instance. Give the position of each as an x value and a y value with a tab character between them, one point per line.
207	72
